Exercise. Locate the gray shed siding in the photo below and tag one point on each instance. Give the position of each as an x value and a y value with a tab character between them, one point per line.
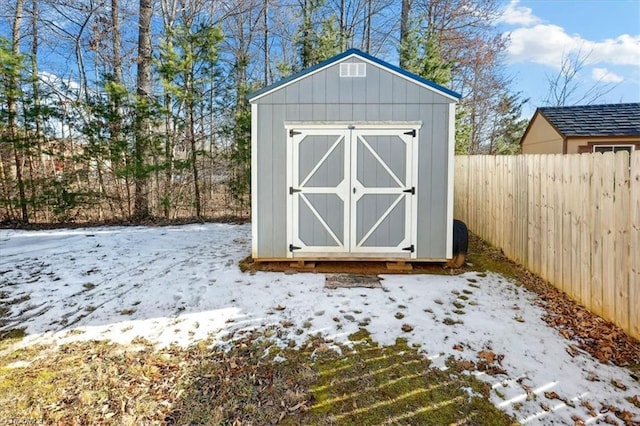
326	97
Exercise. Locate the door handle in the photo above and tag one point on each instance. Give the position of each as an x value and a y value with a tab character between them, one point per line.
354	189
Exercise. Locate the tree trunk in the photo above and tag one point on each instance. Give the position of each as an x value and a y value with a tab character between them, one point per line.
169	10
115	32
194	159
266	42
34	73
343	26
143	92
306	34
405	17
12	107
367	29
115	123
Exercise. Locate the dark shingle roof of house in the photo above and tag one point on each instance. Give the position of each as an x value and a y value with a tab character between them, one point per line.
595	120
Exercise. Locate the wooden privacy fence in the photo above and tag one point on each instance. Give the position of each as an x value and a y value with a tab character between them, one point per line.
572	219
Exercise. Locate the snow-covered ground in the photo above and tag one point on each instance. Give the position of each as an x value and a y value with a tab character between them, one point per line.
181	284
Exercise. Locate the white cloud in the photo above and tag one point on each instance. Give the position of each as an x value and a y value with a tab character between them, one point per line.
518	15
622	50
542	44
539	42
546	44
605	76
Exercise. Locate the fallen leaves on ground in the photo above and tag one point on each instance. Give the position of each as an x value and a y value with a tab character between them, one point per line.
101	383
603	340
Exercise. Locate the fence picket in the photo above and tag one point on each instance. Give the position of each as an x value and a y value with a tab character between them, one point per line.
558	210
607	227
634	245
586	229
621	240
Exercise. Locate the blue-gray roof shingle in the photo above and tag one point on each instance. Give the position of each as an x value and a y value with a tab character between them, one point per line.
595	120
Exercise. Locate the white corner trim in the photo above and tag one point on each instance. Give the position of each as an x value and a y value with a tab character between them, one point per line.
254	180
450	178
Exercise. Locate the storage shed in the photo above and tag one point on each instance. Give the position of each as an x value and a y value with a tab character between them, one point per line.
352	159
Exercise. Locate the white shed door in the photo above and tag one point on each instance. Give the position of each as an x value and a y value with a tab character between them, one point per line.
352	191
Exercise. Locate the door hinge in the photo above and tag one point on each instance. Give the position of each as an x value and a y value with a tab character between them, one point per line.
292	247
411	190
410	248
411	132
292	133
292	190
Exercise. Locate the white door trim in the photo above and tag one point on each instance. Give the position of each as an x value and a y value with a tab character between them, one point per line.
351	132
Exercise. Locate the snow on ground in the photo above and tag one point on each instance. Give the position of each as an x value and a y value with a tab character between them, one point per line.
181	284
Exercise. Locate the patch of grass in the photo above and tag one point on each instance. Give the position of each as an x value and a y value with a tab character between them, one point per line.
87	383
399	315
393	385
365	322
407	328
11	335
89	286
253	381
486	258
127	311
451	321
458	305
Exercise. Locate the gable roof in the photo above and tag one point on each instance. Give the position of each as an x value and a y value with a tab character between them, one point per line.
594	120
348	54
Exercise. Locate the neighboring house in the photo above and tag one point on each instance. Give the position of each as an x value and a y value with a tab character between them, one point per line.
579	129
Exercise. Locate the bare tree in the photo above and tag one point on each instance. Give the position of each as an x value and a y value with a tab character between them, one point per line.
565	87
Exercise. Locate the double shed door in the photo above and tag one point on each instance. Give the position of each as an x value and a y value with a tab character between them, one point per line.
352	190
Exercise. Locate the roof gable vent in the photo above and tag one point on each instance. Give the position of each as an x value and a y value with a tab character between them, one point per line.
353	69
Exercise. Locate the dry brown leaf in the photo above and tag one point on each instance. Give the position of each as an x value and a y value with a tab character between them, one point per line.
487	355
593	377
552	395
619	384
625	416
577	421
465	365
